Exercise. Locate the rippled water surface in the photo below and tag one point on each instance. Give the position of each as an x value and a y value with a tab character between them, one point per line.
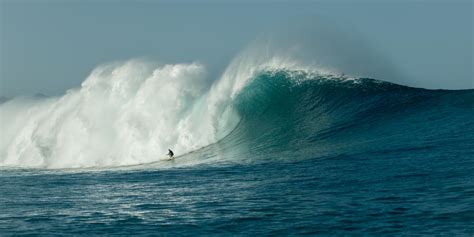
341	195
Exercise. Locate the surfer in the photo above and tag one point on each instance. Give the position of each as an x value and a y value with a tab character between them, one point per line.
170	153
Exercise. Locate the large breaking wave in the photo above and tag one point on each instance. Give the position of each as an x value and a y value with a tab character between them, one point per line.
131	113
124	114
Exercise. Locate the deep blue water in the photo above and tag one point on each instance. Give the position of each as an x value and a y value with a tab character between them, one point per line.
308	157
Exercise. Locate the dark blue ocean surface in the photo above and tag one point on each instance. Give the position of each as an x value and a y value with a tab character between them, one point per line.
311	156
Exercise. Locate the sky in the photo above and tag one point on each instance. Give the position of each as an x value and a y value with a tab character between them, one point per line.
50	46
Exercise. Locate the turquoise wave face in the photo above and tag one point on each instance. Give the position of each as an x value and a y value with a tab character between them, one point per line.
295	115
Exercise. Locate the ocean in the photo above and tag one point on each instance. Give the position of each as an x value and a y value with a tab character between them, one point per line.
273	149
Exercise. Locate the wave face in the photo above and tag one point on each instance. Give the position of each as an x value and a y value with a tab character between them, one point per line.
131	113
297	115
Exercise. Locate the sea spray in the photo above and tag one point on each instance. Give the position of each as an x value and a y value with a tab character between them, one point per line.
123	114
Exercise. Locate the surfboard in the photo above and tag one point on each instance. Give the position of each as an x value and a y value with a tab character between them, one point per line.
167	158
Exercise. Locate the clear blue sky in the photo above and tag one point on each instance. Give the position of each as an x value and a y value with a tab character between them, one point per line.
51	46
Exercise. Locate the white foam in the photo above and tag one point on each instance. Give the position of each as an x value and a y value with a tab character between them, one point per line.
123	114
